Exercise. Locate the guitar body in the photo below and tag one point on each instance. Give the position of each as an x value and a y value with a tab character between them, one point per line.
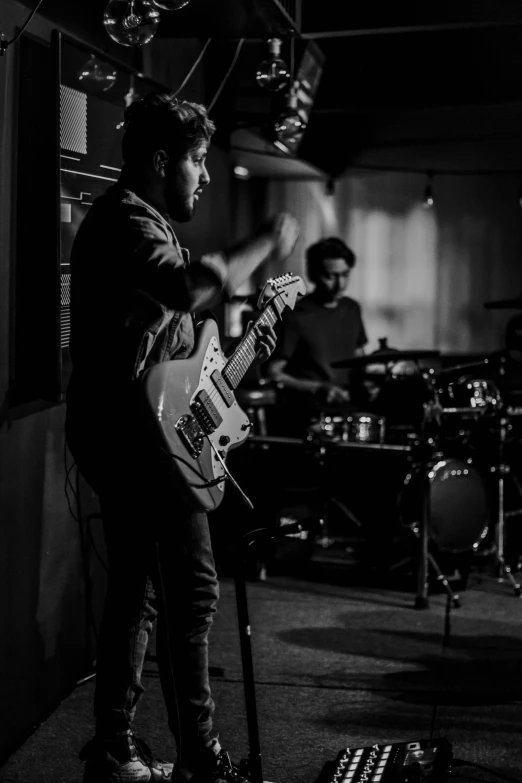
183	394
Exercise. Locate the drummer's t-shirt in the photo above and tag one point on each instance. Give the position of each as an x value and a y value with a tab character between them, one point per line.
313	336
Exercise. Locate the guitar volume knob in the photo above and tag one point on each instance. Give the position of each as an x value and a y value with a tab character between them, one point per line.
224	440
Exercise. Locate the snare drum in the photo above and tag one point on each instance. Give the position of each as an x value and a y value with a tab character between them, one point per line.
366	428
355	428
458	511
328	427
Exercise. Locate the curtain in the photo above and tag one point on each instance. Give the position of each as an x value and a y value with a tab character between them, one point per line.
422	275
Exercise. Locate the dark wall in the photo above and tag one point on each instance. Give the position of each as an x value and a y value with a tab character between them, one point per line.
51	582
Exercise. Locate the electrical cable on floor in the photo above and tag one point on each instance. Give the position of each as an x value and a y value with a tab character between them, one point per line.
445	646
463	763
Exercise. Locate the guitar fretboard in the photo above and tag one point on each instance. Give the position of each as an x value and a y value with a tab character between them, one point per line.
245	353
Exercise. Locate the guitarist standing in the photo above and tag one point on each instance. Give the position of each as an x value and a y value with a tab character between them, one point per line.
134	293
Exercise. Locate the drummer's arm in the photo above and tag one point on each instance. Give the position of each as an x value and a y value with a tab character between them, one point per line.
276	371
327	392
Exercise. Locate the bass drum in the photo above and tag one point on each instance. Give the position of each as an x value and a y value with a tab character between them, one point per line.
458	512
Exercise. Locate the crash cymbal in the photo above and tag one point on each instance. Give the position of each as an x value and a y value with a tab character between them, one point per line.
505	304
386	357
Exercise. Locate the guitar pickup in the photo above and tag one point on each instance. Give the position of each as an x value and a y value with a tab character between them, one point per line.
222	387
206	412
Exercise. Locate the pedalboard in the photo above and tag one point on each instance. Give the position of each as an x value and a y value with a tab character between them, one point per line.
420	761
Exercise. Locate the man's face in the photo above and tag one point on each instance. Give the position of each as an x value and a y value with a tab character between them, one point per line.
333	279
185	181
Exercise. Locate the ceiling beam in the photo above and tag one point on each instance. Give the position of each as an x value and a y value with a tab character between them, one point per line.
420	28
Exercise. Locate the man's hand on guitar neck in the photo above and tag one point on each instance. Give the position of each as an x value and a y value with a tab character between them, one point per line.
265	342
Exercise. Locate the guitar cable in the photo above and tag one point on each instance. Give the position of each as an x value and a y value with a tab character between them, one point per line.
214	482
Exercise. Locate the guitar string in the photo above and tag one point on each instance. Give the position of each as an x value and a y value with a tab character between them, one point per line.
236	367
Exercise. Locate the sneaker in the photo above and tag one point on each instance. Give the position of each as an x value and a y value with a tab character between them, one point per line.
122	759
212	765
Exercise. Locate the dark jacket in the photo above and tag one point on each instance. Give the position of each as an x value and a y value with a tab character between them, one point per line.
132	298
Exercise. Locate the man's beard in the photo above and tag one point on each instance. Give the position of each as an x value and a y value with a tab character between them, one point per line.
180	211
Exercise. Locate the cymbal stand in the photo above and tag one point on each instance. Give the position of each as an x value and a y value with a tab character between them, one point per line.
328	501
502	469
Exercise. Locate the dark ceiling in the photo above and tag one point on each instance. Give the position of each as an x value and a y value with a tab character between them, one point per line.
398	77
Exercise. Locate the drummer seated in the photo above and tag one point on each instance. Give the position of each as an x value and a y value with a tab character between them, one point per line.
325	327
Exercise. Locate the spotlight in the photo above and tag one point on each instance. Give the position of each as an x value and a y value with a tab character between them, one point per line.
131	22
428	193
273	74
241	172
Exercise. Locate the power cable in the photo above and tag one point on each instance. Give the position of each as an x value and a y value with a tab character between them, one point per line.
189	74
501	775
234	60
4	44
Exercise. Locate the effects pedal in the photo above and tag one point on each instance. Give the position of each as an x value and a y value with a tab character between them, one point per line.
422	761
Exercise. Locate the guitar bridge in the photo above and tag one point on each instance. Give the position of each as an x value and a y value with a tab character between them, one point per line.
191	434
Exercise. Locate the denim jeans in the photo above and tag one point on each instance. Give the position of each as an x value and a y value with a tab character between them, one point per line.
160	566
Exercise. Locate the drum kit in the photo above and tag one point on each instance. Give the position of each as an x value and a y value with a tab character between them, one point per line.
458	427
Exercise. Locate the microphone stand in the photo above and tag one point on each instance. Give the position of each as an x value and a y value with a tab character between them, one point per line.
253	765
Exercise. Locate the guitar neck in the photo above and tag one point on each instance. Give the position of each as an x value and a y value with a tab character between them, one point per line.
245	353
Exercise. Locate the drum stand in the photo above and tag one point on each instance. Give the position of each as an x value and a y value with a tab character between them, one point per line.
425	450
328	501
422	457
502	469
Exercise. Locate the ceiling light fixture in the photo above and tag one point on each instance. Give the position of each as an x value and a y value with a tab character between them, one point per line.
289	125
273	74
131	22
171	5
97	75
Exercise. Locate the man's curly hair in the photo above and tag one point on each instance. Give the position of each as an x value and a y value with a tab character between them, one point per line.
160	121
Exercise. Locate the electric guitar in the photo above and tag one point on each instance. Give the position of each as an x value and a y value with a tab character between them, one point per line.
193	405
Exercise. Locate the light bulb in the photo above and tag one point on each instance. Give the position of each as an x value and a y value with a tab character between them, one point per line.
273	74
97	76
131	22
289	125
171	5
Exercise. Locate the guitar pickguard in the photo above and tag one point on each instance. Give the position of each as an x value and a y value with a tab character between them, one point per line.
234	426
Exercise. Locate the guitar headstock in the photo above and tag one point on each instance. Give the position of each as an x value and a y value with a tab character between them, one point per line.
287	287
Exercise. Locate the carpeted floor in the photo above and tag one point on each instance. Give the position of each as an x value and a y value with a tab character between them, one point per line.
336	665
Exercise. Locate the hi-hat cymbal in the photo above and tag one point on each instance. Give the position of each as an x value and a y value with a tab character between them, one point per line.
505	304
386	357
